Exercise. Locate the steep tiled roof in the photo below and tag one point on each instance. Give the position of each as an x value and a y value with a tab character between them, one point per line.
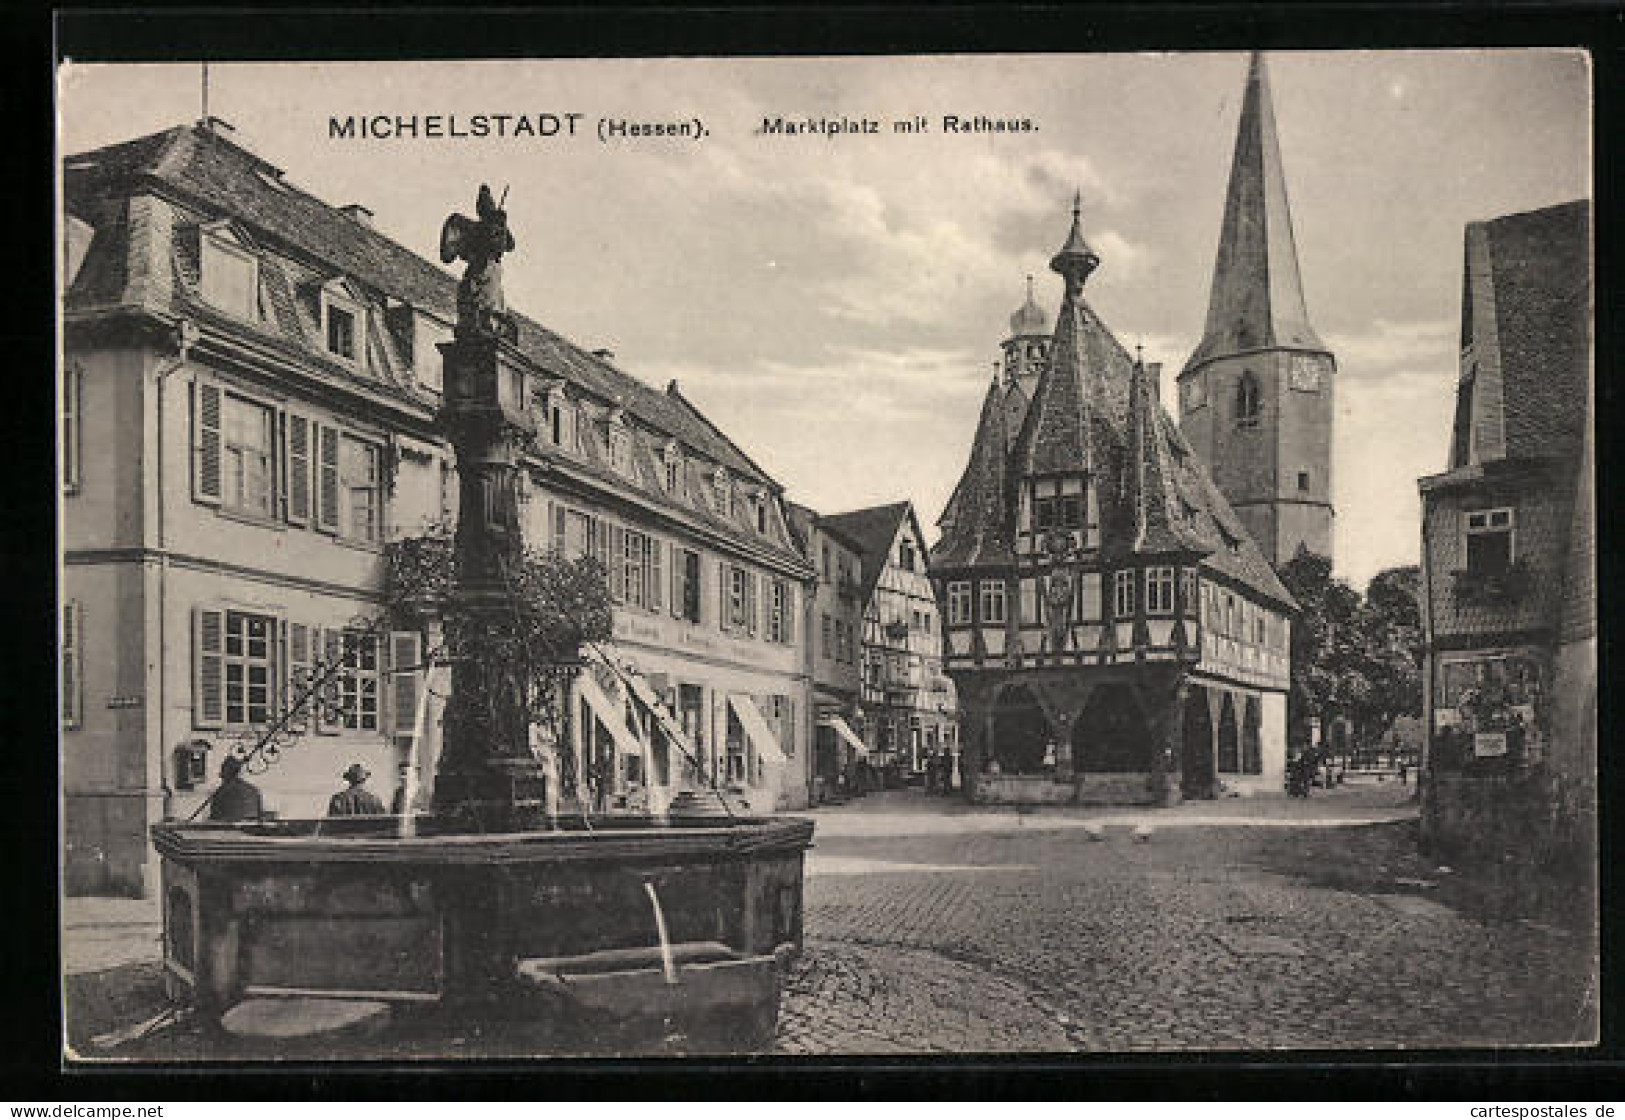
1540	262
1256	300
214	177
1153	518
977	530
873	530
804	519
1056	433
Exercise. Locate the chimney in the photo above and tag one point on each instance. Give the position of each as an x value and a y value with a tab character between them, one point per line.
1153	373
604	354
359	213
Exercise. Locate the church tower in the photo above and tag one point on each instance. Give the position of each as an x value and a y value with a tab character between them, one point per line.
1255	399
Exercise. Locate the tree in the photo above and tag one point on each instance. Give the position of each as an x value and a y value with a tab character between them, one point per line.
1391	626
558	606
1323	643
1352	656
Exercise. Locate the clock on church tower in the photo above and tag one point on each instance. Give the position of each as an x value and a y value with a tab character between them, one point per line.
1308	372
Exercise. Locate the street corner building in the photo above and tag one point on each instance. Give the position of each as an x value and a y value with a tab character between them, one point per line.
1509	554
1116	629
909	711
249	395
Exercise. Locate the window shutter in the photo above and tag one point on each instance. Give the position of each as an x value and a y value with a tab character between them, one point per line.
327	692
298	470
657	581
724	615
298	699
790	726
327	487
206	406
555	527
208	668
679	568
617	563
789	613
405	656
72	686
750	602
598	533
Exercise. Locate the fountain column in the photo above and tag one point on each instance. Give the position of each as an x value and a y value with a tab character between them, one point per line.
487	774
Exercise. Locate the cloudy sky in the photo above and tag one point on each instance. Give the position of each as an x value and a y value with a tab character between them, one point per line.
836	304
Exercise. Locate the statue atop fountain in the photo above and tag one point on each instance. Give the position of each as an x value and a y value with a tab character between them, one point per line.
481	309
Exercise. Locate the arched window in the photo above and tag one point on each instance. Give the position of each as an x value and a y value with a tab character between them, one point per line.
1248	398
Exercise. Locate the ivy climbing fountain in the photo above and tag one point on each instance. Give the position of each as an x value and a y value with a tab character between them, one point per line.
487	922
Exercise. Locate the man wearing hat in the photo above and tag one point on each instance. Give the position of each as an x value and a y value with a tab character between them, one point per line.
355	800
237	799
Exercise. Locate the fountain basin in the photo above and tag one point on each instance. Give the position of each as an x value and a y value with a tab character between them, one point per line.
712	997
442	921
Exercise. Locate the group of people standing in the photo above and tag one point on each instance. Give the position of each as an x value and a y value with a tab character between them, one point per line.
238	799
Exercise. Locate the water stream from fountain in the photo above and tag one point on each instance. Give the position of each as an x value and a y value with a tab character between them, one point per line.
667	962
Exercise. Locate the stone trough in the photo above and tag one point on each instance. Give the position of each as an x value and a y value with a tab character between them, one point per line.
617	935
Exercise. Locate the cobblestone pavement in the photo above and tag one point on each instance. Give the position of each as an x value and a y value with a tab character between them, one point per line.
1036	937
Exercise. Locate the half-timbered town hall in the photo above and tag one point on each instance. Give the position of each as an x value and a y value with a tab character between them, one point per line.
1113	631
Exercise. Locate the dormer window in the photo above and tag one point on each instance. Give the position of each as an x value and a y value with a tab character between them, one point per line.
342	319
341	332
620	448
759	500
230	276
672	459
566	419
719	491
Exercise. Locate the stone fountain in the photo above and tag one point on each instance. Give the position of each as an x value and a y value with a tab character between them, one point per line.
485	919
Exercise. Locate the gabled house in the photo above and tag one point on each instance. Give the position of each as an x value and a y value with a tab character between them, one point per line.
1508	548
908	704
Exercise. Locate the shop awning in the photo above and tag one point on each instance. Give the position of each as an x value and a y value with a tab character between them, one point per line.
611	714
661	714
767	744
841	728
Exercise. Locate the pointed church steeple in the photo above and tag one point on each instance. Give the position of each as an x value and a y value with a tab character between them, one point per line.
1256	301
1256	397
